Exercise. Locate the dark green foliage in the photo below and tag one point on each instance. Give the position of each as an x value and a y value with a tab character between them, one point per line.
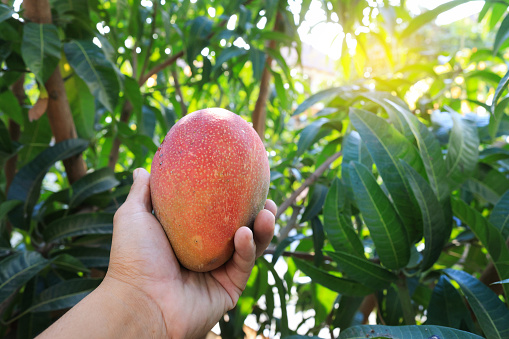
419	186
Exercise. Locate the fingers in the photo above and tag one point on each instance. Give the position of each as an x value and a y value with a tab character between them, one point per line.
264	227
271	206
240	265
138	199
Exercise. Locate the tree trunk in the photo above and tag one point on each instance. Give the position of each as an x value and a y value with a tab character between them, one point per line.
59	111
260	113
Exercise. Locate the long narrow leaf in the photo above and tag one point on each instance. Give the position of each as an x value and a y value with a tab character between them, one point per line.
317	97
96	182
385	227
336	284
386	146
362	270
27	182
488	234
502	35
41	49
93	67
491	312
499	216
414	332
338	223
79	224
430	151
17	269
463	149
435	229
446	306
428	16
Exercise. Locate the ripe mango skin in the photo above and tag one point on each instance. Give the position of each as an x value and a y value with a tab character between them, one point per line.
209	177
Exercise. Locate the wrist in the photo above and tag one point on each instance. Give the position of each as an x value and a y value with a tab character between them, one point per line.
136	312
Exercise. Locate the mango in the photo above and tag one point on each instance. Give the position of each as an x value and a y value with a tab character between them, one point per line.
209	177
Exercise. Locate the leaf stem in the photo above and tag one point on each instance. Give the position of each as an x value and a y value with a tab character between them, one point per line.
406	302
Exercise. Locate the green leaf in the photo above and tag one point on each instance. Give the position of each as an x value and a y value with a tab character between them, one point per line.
62	295
491	312
499	216
364	271
79	224
500	89
5	12
284	244
385	227
435	228
282	296
430	151
27	182
497	116
488	234
257	58
89	257
338	223
354	149
17	269
91	65
96	182
82	104
333	283
69	263
228	54
317	97
479	187
40	49
413	331
347	312
30	325
463	149
446	306
386	146
8	206
428	16
308	135
392	104
502	35
315	202
9	105
133	94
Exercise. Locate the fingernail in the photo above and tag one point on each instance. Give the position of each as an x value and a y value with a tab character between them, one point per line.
135	173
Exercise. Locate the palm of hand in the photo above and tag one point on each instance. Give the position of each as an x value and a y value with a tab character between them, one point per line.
142	257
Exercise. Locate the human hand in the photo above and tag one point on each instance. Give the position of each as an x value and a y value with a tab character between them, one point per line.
143	265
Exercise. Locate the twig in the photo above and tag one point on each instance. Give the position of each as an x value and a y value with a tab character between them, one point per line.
312	178
291	223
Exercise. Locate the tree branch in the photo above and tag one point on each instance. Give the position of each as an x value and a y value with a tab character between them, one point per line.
312	178
59	111
259	114
156	69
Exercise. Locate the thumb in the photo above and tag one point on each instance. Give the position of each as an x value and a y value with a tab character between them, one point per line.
138	199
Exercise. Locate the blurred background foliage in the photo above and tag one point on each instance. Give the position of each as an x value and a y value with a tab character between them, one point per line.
385	126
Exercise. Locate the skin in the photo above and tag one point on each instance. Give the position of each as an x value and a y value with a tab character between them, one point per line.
146	293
